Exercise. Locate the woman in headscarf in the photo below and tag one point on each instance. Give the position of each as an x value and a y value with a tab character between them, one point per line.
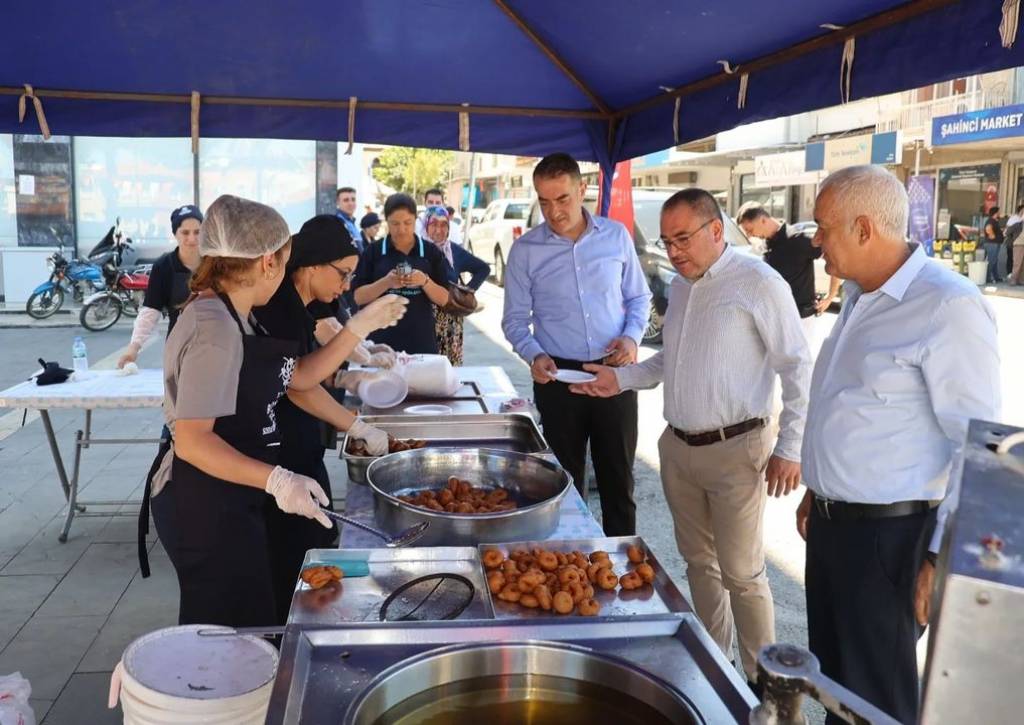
223	378
449	327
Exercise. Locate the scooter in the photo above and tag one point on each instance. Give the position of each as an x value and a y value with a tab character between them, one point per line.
125	288
74	277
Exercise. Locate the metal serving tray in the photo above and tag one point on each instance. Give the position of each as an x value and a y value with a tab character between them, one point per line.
322	670
506	431
467	399
661	597
360	597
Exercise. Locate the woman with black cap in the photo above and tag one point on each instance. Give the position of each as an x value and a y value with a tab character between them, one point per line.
403	264
369	227
223	378
168	280
321	266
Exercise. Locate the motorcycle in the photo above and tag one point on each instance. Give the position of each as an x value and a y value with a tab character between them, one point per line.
73	277
125	288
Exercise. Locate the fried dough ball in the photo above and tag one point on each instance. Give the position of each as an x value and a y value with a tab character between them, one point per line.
493	558
593	570
529	601
589	607
588	591
562	558
562	603
631	580
636	554
496	582
576	591
596	556
646	572
531	580
606	579
543	595
568	576
551	581
445	497
510	594
547	561
320	576
518	554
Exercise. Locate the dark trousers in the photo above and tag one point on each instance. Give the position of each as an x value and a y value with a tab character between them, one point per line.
610	425
992	257
860	606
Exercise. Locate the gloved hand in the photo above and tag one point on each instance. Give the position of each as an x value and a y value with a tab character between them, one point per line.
375	347
383	312
363	355
297	494
350	379
360	355
376	440
385	360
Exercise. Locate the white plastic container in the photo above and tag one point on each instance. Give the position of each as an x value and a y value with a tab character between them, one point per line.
385	389
429	376
977	272
173	676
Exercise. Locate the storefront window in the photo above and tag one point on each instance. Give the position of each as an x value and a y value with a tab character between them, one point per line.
139	180
773	199
966	194
279	173
42	170
8	206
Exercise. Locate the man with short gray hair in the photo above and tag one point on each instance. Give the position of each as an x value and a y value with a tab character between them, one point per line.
912	357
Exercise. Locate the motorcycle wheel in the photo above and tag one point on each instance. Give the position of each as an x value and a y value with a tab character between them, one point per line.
44	304
132	303
101	314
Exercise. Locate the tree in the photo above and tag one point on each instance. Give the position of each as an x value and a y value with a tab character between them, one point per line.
413	170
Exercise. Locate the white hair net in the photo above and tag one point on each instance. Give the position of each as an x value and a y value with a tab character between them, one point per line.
236	227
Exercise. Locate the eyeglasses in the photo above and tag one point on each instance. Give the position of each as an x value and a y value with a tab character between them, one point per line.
681	241
345	276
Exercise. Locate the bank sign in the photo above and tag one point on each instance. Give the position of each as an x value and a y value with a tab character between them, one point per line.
1005	122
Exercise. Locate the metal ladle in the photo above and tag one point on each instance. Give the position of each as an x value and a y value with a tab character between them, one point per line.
403	538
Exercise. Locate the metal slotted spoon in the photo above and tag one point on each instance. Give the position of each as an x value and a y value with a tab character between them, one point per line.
403	538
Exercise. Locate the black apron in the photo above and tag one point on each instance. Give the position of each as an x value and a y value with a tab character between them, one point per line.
216	535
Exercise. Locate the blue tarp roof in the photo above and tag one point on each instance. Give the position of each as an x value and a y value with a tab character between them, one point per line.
485	53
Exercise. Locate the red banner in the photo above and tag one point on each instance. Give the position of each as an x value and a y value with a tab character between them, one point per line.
621	208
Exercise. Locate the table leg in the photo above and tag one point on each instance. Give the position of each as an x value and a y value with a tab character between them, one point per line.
55	451
88	426
73	489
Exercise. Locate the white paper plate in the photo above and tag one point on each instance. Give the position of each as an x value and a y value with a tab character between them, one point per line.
429	410
574	377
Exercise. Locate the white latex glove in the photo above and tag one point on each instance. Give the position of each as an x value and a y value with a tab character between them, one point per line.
360	355
375	347
376	440
385	360
383	312
350	379
297	494
129	368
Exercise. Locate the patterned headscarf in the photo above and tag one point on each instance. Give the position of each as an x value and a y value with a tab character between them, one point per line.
435	213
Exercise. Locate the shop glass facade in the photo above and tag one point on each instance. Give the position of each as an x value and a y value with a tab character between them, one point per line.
966	193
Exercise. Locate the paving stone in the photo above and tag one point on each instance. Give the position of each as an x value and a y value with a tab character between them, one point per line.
47	650
44	554
95	583
84	700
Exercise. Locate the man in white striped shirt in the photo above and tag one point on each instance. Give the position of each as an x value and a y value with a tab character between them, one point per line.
731	327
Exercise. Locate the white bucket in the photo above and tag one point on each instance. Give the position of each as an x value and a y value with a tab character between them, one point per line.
430	376
174	676
385	389
977	272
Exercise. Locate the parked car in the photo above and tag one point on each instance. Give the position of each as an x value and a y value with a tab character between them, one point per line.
492	237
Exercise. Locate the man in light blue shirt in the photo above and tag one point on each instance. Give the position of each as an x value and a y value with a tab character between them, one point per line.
575	294
912	358
345	200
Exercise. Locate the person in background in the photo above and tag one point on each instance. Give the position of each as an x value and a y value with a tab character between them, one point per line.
322	263
575	294
223	377
1015	245
346	203
403	264
435	197
791	255
992	236
456	220
168	281
719	459
449	327
887	420
369	228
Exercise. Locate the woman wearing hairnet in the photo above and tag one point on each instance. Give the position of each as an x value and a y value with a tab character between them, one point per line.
323	259
223	378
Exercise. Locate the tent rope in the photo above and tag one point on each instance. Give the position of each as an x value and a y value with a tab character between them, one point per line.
1009	24
675	120
464	129
352	101
727	66
846	69
741	98
30	94
195	122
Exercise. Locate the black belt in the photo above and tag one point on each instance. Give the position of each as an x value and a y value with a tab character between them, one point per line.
845	511
717	436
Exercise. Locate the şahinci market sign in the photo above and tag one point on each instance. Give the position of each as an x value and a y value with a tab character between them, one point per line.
991	123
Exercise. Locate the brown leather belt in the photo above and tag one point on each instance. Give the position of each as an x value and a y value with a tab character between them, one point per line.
717	436
845	511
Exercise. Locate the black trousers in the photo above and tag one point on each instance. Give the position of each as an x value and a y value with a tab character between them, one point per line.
610	425
860	606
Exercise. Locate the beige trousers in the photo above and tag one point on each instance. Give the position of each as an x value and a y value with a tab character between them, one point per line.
1018	263
716	494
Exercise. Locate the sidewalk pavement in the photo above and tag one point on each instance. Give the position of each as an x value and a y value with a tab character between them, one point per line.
67	611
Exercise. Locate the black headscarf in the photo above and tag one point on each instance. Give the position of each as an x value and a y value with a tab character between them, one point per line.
322	239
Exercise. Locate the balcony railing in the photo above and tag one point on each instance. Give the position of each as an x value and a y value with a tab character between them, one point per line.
914	119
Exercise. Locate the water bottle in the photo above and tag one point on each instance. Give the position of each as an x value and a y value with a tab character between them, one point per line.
79	356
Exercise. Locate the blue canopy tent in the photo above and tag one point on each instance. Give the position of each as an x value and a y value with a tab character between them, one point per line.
604	81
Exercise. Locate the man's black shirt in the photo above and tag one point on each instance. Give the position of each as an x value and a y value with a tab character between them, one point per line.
792	256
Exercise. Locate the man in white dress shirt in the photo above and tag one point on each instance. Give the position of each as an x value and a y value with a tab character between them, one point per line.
912	357
731	327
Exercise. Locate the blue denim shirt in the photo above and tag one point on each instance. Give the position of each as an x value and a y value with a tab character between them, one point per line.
353	229
576	296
